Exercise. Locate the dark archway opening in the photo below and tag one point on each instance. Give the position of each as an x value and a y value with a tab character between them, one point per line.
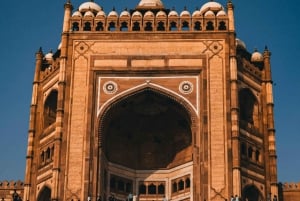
147	131
45	194
251	193
50	107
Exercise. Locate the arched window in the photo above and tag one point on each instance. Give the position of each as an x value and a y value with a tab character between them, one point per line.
124	26
161	189
161	26
173	26
250	152
209	26
112	26
222	25
52	152
148	26
128	188
180	185
99	26
42	157
185	26
248	107
257	156
197	26
87	26
151	189
243	149
75	26
112	183
50	108
187	183
142	189
45	194
136	26
120	185
48	154
174	187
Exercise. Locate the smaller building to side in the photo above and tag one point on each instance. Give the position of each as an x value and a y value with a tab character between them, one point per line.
289	191
11	190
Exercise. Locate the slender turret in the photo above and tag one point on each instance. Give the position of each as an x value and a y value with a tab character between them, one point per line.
32	123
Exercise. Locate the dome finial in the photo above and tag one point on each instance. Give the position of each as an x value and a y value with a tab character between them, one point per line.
266	48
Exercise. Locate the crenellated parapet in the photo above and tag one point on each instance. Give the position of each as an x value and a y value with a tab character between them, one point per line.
290	186
11	190
90	17
11	185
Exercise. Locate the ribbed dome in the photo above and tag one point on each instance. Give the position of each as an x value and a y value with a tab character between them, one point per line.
149	14
257	57
212	6
221	13
125	13
185	13
150	3
137	14
89	14
77	14
240	44
49	56
101	13
161	14
196	13
209	14
113	13
173	13
92	6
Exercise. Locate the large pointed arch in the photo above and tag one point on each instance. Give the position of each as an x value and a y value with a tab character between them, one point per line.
144	123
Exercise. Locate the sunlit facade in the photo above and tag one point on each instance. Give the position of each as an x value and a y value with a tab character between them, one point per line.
151	104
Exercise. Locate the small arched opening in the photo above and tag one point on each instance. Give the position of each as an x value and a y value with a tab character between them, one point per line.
50	107
45	194
248	107
251	193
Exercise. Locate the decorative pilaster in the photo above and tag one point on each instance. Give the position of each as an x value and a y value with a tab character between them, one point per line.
68	10
60	102
272	157
230	13
32	125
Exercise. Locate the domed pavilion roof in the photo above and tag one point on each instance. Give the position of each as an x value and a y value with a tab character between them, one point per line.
156	4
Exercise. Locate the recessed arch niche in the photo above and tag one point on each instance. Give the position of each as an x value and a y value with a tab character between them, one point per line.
251	193
147	130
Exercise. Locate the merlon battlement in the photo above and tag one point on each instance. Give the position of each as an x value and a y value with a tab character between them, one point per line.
11	184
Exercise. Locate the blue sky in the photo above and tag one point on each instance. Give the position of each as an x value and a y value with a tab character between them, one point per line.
28	25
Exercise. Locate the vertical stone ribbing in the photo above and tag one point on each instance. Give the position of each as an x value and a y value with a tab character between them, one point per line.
270	123
32	125
60	103
234	112
230	12
235	127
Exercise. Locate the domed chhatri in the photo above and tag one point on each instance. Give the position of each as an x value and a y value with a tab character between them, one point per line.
89	6
257	56
240	44
152	4
211	6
